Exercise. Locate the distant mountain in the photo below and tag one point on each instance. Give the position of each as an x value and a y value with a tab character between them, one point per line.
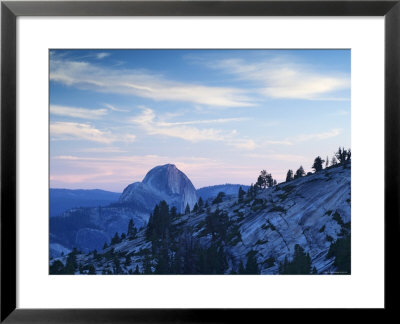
89	227
163	182
212	191
300	226
63	199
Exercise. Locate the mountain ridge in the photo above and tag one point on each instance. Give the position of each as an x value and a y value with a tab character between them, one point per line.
62	199
164	182
308	216
88	228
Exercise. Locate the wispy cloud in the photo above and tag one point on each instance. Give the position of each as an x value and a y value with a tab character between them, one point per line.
278	142
340	113
303	138
147	121
205	121
113	108
102	55
106	149
77	112
246	144
280	157
318	136
123	170
88	76
81	131
77	178
282	80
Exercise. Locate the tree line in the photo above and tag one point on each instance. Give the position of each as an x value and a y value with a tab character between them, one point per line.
341	156
176	250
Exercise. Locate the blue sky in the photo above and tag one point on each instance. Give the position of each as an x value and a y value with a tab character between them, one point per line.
221	116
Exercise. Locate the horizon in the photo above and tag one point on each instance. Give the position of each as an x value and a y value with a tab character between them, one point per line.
221	116
221	184
196	188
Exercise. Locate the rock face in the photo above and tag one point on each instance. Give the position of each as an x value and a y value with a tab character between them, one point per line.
212	191
313	212
88	228
164	182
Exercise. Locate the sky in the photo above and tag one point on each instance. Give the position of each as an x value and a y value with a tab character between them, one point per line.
221	116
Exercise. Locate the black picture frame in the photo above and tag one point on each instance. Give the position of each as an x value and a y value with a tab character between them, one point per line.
10	10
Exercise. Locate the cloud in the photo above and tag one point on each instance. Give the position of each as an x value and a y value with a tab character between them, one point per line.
111	107
107	149
340	113
246	144
80	131
318	136
87	76
209	121
148	121
80	178
280	157
77	112
100	56
121	170
303	138
283	80
281	142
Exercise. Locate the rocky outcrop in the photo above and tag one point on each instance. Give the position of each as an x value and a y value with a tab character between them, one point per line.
164	182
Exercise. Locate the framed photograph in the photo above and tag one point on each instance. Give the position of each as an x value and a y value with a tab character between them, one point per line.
163	159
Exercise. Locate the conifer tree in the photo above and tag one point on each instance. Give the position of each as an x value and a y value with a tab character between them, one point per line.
348	157
131	229
71	264
201	202
251	264
219	198
128	261
318	163
152	223
92	269
343	155
262	179
162	266
289	175
241	194
117	265
95	254
340	249
301	263
147	264
187	209
241	269
57	267
300	172
270	180
116	239
251	192
195	208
